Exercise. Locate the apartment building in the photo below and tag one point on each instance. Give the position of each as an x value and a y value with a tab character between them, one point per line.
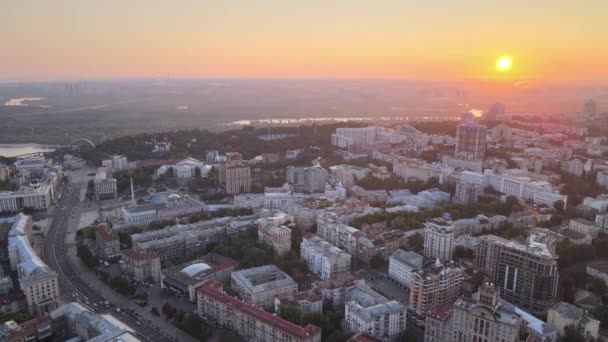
401	264
259	286
324	259
105	186
107	240
368	311
526	273
307	179
563	315
277	237
434	284
141	265
480	318
247	320
37	281
439	239
115	162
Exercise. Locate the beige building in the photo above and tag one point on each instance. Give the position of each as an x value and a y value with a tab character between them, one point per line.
5	173
236	178
277	237
584	226
563	315
248	321
259	286
141	264
484	318
434	284
37	281
439	239
324	259
107	240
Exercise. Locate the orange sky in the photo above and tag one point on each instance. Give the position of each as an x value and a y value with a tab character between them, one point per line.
441	39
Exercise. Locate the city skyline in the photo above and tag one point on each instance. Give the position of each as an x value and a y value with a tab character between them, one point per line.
271	39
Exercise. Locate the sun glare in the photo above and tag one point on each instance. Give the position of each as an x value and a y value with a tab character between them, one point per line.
503	63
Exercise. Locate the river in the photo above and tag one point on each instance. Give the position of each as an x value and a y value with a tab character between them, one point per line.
13	150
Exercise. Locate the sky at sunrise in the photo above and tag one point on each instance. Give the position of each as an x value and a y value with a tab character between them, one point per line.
557	40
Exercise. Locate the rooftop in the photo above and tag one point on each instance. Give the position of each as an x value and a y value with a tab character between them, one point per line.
214	289
138	254
263	278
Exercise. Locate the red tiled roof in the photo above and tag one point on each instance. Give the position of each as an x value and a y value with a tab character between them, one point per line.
214	289
362	337
140	254
440	312
106	233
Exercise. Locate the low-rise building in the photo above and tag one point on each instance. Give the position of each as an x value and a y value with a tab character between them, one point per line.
401	264
598	270
183	280
584	226
107	240
74	322
185	169
247	320
161	207
36	329
324	259
369	196
307	301
141	265
563	315
259	286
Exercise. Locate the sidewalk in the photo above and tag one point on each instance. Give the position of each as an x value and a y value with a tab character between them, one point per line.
90	279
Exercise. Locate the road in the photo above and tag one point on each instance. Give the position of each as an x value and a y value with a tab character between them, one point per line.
56	256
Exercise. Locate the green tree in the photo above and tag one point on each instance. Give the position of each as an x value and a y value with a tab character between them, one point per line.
416	242
376	262
559	206
291	312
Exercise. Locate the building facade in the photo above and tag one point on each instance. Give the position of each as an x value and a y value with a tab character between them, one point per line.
526	273
247	320
259	286
439	239
401	264
141	265
324	259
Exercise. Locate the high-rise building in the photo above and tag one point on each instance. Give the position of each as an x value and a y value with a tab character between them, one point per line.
470	140
236	178
439	239
526	273
590	107
5	173
496	112
434	284
307	179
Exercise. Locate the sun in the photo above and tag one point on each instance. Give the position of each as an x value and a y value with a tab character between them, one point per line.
504	63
